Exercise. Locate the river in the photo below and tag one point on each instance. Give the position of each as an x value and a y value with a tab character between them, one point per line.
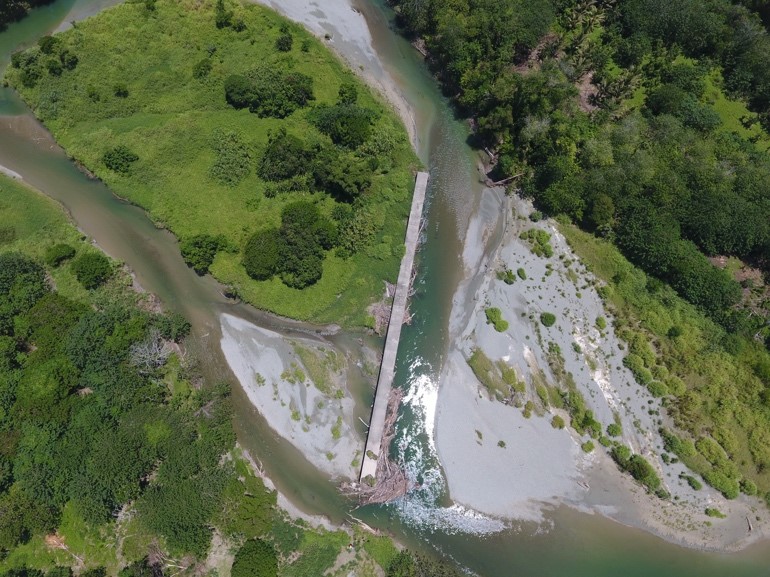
576	544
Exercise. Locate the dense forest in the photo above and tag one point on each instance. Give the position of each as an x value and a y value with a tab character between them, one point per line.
15	10
606	112
116	456
644	122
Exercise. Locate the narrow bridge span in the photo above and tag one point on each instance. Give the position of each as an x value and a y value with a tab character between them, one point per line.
388	367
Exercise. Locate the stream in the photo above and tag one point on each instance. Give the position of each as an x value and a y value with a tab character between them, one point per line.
569	544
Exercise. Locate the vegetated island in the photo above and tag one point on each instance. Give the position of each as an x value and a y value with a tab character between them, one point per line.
645	124
280	172
117	457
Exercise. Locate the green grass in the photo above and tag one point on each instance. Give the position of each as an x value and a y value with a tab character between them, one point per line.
38	223
712	377
488	374
169	119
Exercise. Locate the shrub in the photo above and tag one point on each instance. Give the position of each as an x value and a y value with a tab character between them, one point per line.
48	44
614	430
120	90
348	93
200	250
262	254
268	92
748	487
693	482
202	68
54	67
238	91
547	319
120	159
557	422
348	125
68	59
722	483
284	42
256	558
715	513
495	318
601	323
285	157
58	253
92	269
657	389
522	273
233	157
587	447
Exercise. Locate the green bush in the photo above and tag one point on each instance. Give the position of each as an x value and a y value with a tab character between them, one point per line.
285	157
614	430
256	558
587	447
522	273
284	42
92	269
657	389
233	157
557	422
199	251
202	68
261	255
495	318
715	513
722	483
120	159
748	487
348	125
547	319
601	323
58	253
269	92
693	482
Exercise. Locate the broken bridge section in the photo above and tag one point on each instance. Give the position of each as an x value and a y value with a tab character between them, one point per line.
377	423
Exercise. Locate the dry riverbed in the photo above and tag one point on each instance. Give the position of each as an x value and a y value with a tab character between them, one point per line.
500	453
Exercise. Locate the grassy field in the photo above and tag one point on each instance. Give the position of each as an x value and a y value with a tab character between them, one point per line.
723	399
36	223
169	119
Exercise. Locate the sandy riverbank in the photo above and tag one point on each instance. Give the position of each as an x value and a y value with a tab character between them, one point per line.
539	466
298	386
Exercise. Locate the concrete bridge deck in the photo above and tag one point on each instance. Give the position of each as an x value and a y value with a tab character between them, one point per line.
393	336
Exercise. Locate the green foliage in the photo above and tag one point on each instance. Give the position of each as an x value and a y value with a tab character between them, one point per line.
601	323
614	430
256	558
538	241
262	254
268	92
408	564
587	447
92	269
199	251
285	157
284	42
637	466
202	68
296	250
693	482
233	157
169	122
348	125
120	159
557	422
521	273
547	319
715	513
58	253
495	318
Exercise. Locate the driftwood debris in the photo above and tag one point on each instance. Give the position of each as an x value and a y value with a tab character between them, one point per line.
391	481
